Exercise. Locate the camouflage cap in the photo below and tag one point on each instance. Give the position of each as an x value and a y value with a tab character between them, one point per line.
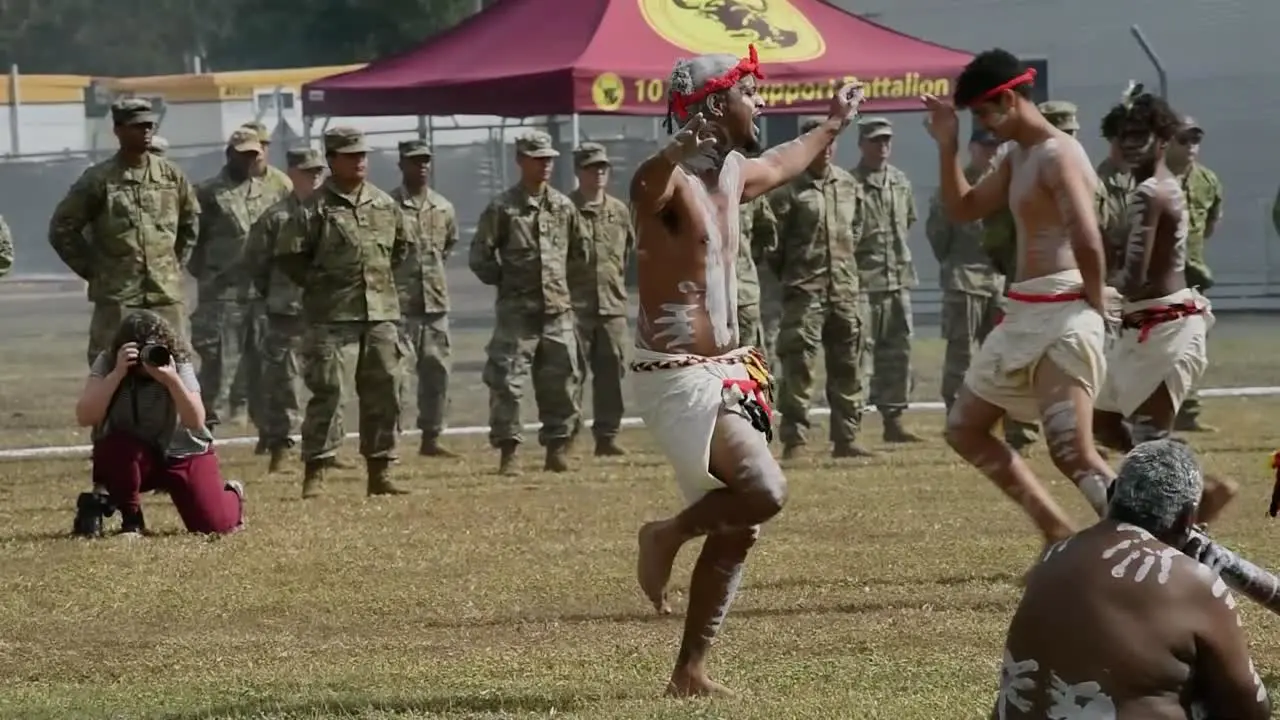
158	145
304	159
536	144
345	140
415	149
590	153
1061	114
264	136
1190	124
133	111
874	127
244	140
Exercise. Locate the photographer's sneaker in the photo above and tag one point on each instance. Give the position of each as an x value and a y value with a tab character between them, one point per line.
132	524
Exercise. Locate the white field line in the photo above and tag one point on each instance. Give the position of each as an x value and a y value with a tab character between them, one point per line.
73	450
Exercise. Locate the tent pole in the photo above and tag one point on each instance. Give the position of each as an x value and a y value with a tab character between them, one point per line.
575	128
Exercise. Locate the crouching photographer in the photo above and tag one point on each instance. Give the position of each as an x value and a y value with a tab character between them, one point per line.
143	401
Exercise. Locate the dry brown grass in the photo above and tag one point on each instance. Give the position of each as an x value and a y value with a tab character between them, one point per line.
882	591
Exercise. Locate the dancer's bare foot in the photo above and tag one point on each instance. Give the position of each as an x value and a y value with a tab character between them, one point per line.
688	683
653	563
1218	493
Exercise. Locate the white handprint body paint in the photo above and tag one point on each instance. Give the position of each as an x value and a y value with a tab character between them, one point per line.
1134	549
1016	680
677	320
1079	701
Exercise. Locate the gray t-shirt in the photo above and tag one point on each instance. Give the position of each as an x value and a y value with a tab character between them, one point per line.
144	409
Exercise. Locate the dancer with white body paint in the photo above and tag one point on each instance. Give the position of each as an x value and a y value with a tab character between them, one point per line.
1161	350
1118	623
1045	361
705	399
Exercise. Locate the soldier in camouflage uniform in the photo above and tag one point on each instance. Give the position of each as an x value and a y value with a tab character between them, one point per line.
128	226
819	226
343	247
887	275
758	230
1203	191
770	310
971	287
246	385
1114	186
158	146
6	248
424	294
524	243
230	202
282	301
272	176
1062	115
599	295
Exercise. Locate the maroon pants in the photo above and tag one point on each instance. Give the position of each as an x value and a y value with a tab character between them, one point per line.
127	467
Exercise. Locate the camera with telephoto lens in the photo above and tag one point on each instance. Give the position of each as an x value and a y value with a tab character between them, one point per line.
155	355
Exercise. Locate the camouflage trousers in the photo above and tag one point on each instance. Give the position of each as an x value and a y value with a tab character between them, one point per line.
106	318
887	349
750	331
966	322
281	378
809	323
428	364
770	323
602	351
216	333
545	346
247	390
332	353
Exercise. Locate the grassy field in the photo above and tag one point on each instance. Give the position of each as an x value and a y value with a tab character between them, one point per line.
882	591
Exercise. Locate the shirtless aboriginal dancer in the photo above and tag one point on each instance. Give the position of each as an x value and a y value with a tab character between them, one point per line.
705	399
1045	360
1161	351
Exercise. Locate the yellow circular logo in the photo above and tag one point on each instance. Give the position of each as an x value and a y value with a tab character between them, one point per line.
606	92
779	31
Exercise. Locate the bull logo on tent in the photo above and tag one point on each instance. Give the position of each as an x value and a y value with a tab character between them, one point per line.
780	32
743	20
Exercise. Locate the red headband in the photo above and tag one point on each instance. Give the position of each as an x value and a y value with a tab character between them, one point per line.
750	65
1024	78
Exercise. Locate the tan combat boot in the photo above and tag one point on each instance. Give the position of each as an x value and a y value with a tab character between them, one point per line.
850	449
895	433
380	482
608	447
431	447
557	456
507	464
313	479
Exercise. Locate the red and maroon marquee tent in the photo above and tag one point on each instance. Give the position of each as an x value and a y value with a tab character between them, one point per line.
521	58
